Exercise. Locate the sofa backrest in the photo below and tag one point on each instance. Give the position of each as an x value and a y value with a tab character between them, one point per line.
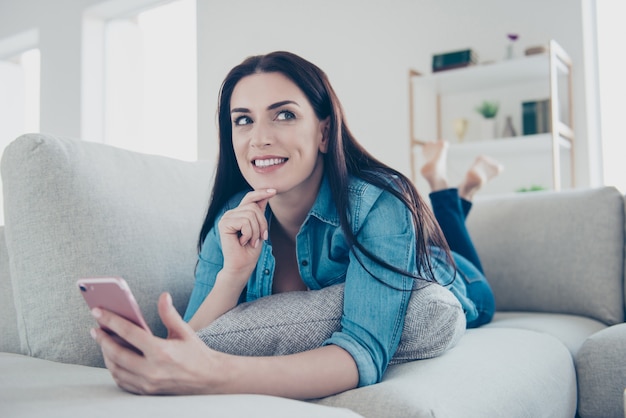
554	251
76	209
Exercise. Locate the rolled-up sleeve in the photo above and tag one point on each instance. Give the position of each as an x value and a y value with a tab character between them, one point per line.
376	298
210	262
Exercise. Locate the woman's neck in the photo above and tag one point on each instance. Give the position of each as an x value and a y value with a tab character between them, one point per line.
290	212
290	209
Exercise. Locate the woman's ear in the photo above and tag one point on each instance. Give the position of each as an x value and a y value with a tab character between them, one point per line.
325	131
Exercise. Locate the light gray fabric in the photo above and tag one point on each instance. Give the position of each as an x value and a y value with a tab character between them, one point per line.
624	261
571	330
601	367
492	372
9	338
74	209
554	252
64	390
293	322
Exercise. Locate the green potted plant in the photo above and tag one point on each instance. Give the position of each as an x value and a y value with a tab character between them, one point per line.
488	109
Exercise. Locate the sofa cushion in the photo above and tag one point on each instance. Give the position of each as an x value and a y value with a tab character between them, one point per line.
36	388
601	369
571	330
76	209
293	322
492	372
10	341
559	252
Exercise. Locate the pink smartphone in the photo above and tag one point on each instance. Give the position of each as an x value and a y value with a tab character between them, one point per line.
112	294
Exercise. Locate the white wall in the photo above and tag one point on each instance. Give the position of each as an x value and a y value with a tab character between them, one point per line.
365	47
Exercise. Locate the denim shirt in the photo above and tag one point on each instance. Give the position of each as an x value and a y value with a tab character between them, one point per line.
375	298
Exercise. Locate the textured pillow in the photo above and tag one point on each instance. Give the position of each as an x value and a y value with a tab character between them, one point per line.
559	252
293	322
75	208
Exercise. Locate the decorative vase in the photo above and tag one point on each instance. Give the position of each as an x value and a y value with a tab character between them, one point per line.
460	128
509	129
488	128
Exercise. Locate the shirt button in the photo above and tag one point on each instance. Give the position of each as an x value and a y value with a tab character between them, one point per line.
305	263
266	271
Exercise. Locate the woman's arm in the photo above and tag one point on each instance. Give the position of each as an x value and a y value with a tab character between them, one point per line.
223	297
233	246
183	364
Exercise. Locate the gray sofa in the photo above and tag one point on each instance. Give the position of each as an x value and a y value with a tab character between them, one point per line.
556	347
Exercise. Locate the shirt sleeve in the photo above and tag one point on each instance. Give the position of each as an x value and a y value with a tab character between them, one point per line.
210	262
376	298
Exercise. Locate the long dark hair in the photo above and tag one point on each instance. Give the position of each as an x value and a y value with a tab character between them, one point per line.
345	157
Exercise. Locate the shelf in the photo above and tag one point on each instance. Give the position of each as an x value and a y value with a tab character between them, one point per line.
527	143
438	98
484	76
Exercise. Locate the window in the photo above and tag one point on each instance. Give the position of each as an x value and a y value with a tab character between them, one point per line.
611	33
19	96
148	99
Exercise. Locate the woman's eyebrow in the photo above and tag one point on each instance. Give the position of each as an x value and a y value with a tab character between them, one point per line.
279	104
270	107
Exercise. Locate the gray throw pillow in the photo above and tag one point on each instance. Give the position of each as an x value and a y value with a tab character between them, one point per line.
293	322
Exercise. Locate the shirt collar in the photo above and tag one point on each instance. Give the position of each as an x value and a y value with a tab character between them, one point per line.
324	207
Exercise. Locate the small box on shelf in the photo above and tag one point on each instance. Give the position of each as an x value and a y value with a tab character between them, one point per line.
455	59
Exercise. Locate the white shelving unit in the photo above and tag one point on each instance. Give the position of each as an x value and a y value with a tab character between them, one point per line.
435	100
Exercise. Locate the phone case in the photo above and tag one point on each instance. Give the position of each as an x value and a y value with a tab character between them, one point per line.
112	294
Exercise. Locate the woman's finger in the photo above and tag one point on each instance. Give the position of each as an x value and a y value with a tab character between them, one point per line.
258	196
247	220
126	334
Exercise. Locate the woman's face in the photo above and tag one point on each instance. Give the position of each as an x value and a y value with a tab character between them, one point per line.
277	138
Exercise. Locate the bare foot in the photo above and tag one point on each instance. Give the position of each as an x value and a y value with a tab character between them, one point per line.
483	170
434	170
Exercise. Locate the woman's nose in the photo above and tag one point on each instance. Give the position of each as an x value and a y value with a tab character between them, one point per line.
261	136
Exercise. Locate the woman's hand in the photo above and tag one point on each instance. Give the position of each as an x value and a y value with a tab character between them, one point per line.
180	364
183	365
242	231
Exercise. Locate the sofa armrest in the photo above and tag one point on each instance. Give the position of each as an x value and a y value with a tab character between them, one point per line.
601	370
75	209
556	252
10	341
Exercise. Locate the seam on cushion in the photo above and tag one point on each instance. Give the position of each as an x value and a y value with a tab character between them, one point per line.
272	326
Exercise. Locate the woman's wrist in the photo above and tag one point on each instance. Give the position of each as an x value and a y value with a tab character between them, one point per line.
223	297
231	282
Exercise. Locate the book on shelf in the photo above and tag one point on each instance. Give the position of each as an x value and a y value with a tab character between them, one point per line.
536	117
455	59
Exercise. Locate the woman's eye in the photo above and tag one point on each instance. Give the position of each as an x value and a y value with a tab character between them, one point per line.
242	120
285	115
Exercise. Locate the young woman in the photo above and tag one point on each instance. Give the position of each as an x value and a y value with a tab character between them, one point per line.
451	207
297	204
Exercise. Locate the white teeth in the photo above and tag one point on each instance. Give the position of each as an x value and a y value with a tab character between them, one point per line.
269	162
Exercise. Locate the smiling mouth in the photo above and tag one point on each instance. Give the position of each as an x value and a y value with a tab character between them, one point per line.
269	162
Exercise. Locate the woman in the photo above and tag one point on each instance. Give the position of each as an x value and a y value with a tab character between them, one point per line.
451	207
297	204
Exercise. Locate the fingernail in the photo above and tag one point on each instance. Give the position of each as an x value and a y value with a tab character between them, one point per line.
265	235
271	190
256	243
93	333
96	313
